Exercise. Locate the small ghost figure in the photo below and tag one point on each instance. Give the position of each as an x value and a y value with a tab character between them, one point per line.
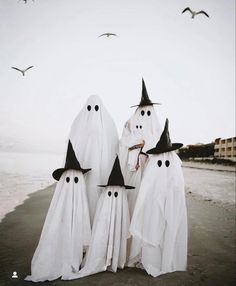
140	132
159	221
95	140
66	232
107	249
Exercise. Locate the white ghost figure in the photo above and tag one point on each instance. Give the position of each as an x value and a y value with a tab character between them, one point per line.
140	133
66	232
108	245
159	222
95	140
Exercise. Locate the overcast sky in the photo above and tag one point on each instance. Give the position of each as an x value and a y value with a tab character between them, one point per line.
188	65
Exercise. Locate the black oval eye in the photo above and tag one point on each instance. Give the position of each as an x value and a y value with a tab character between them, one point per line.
136	126
116	194
140	126
149	113
109	193
96	107
142	112
89	107
159	163
167	163
76	180
67	179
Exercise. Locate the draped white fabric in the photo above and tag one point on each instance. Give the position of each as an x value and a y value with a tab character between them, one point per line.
107	250
159	221
95	141
142	126
66	231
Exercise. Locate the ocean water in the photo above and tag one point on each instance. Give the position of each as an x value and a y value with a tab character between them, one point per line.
22	174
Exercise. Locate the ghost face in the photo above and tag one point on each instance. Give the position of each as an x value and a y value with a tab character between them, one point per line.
93	112
166	171
93	129
92	118
72	177
145	121
144	125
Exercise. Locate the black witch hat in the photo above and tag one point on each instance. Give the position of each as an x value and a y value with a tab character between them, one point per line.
145	100
71	164
164	144
116	178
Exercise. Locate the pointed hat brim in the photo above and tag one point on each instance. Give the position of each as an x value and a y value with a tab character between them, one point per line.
58	172
141	105
173	147
126	187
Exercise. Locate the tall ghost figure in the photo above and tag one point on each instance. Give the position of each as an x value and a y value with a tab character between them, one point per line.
159	220
66	231
95	140
107	250
140	132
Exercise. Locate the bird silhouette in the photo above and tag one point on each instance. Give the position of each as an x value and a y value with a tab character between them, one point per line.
194	13
22	71
107	34
26	1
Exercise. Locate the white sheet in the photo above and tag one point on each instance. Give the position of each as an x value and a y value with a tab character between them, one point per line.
138	129
66	231
159	220
95	141
108	246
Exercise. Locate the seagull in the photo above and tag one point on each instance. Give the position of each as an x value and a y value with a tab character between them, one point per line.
27	1
22	71
107	34
194	13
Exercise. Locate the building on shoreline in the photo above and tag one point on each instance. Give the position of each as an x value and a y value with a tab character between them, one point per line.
225	148
222	149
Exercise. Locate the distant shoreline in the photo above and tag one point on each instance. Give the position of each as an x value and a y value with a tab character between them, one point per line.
208	166
209	160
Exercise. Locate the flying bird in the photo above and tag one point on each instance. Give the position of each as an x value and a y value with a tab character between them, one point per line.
194	13
22	71
107	34
27	1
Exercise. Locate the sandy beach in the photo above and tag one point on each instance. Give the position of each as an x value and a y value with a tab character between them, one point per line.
211	250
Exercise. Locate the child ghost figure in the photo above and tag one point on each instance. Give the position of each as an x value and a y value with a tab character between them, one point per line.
66	231
107	250
159	221
95	140
140	132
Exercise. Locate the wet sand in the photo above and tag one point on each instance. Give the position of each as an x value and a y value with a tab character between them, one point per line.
211	250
